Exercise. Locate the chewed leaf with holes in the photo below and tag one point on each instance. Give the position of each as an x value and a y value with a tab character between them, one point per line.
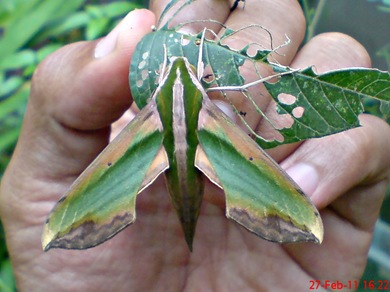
325	104
222	62
313	105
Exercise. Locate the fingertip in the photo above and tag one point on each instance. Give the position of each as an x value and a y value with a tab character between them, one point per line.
75	96
330	51
85	85
125	36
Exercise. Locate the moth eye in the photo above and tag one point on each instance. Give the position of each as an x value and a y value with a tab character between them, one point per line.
109	163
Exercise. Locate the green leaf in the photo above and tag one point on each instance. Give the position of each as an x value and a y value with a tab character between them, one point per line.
116	9
111	10
11	113
96	28
18	60
7	280
47	50
149	56
330	102
10	85
30	19
322	104
74	21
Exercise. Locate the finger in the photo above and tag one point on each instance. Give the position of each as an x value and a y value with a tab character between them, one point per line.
350	148
273	33
266	13
347	172
328	167
76	93
341	51
269	34
198	10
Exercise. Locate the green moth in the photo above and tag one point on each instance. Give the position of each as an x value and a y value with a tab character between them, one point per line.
181	133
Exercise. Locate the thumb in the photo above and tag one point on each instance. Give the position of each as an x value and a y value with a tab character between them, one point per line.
76	94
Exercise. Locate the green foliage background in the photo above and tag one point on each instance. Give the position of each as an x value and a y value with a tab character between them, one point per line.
32	29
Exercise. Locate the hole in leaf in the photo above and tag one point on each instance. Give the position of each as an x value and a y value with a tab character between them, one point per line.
287	99
270	127
298	112
283	121
184	41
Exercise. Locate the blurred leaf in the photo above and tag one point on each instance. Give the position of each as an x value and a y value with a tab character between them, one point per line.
100	16
96	28
10	85
29	19
94	11
15	103
11	112
18	60
9	137
95	17
74	21
119	8
47	50
7	281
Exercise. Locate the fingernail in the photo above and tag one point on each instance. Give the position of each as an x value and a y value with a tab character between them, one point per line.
108	43
306	176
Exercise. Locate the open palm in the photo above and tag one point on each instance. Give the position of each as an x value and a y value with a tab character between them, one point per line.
76	96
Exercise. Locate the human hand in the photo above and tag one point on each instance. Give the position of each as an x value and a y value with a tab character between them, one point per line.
74	100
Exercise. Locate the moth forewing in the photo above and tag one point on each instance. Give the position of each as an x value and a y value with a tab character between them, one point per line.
259	194
101	202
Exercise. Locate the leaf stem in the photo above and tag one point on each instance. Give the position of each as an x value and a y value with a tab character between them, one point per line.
250	84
